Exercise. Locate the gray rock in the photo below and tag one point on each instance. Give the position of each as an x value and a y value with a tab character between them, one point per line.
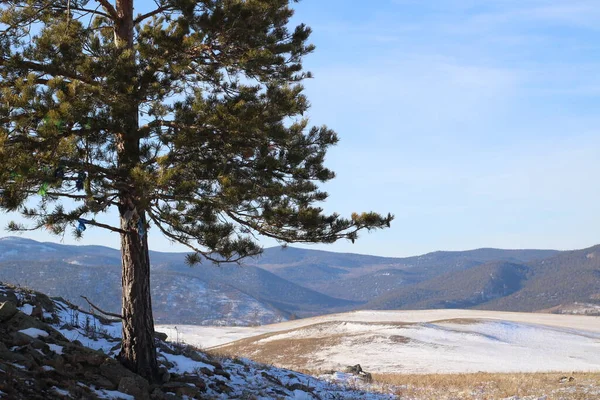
12	356
130	385
157	394
165	375
20	339
114	371
354	369
102	382
7	311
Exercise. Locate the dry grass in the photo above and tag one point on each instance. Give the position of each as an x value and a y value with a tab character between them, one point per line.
459	321
585	386
294	354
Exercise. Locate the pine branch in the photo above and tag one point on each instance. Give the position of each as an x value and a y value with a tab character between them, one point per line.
109	9
150	14
85	10
52	71
183	240
100	310
105	226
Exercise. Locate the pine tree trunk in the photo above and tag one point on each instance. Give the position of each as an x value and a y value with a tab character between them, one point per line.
138	351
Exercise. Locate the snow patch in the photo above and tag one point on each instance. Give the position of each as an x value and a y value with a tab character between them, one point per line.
26	309
56	348
184	364
62	392
34	332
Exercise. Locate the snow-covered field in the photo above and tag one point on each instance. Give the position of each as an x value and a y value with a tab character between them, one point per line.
428	341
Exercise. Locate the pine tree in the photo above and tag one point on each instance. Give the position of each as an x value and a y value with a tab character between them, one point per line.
188	119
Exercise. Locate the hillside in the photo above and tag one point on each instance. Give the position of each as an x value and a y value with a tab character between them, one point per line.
176	298
363	278
50	349
287	283
568	277
462	289
562	279
204	294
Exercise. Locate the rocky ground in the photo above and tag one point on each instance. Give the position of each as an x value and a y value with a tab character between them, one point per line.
50	349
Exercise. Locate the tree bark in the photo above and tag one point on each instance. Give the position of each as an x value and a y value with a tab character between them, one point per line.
138	351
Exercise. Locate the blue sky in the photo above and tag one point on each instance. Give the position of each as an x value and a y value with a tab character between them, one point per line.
475	123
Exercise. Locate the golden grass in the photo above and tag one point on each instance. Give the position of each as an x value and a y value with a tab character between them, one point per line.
282	353
584	386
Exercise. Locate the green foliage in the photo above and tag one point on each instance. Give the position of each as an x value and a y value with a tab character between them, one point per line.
195	121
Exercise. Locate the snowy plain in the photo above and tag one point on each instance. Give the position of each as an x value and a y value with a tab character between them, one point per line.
427	341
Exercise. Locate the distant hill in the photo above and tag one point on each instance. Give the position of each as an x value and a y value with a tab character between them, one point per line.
176	298
568	277
362	278
203	294
460	289
562	279
290	282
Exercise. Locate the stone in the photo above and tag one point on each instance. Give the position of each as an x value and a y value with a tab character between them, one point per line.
57	361
9	296
37	312
188	391
7	311
12	356
86	357
21	321
40	345
161	336
299	386
354	369
114	371
157	394
213	363
223	373
20	339
130	385
182	389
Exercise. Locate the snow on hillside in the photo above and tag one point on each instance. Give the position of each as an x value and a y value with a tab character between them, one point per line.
211	336
438	341
222	378
190	298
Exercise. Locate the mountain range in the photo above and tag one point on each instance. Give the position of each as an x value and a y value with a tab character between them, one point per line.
285	283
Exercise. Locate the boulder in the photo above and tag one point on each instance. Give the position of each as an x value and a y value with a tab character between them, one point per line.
102	382
354	369
157	394
222	372
358	371
114	371
165	375
37	312
7	310
134	387
20	339
184	389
